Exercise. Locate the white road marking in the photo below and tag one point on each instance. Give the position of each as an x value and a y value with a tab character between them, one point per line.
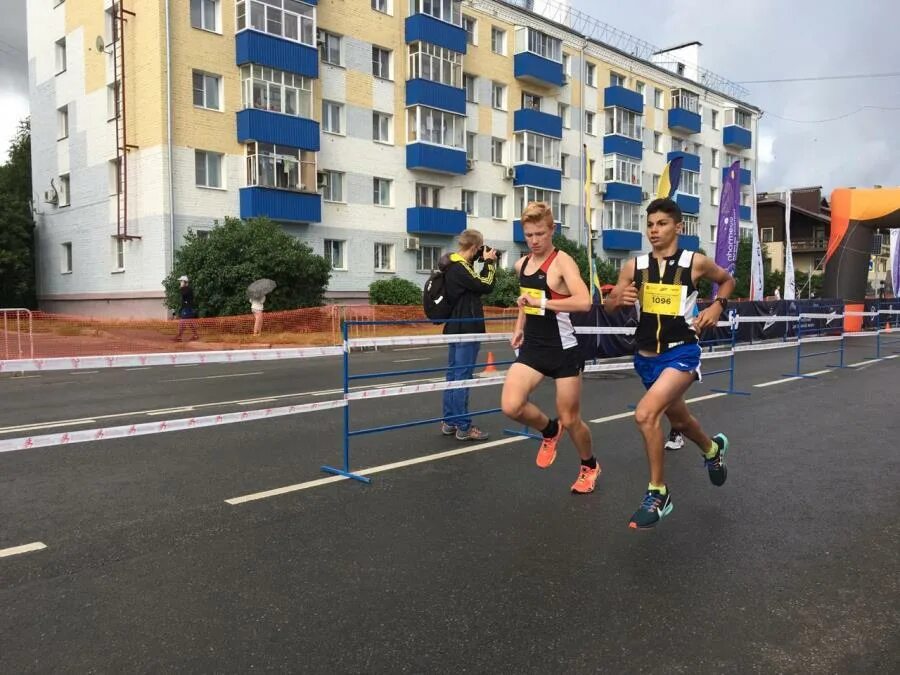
25	548
256	400
187	365
214	377
863	363
168	411
421	358
83	372
141	368
791	379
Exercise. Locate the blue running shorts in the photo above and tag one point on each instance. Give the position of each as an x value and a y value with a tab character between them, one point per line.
683	357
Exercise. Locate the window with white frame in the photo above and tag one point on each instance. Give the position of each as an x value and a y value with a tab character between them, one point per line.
686	100
590	74
119	254
713	195
731	158
658	99
437	64
114	176
690	225
745	163
564	165
66	261
381	63
621	169
281	167
621	216
715	159
288	19
615	262
111	20
497	147
61	56
498	206
113	100
383	6
655	185
616	80
335	253
563	215
590	123
428	125
738	117
332	117
498	40
330	48
468	202
714	118
428	196
276	91
334	186
384	257
470	85
382	127
713	232
537	149
565	113
526	195
531	101
207	169
567	64
205	15
766	234
498	96
745	199
592	170
657	142
539	43
641	88
470	146
428	258
64	190
690	183
381	191
471	25
679	144
207	88
697	149
62	123
624	123
445	10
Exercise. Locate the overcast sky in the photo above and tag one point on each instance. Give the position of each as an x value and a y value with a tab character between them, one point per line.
746	40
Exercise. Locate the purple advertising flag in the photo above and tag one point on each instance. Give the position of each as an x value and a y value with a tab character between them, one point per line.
728	229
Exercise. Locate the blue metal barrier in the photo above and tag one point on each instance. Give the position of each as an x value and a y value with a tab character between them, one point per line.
818	334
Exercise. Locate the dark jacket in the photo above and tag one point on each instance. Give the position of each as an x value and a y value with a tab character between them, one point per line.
464	288
187	311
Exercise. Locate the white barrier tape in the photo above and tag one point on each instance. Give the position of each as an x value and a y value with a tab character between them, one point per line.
889	311
860	313
404	390
705	356
826	338
766	346
427	340
861	333
164	359
605	330
814	315
765	319
606	367
145	428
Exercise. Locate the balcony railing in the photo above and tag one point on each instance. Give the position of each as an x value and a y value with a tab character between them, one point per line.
809	244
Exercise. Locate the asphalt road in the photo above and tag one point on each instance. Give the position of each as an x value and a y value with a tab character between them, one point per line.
474	563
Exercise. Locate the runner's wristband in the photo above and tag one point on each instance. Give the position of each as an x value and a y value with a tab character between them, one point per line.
544	302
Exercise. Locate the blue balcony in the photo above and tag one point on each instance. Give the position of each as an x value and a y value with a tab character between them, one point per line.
689	241
745	213
538	70
688	204
424	28
737	137
745	177
435	158
622	240
539	122
283	205
427	220
623	192
519	233
691	161
436	95
685	121
538	176
269	127
622	145
266	50
620	97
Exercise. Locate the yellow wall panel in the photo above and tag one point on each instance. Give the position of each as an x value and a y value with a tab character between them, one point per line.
89	16
359	89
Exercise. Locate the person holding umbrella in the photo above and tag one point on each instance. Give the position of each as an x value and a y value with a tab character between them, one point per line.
257	292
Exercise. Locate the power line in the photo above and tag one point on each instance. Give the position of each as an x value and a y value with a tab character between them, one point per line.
832	119
862	76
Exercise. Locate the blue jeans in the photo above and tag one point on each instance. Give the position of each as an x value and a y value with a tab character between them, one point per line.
460	366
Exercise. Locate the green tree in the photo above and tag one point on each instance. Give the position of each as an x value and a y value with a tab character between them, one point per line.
17	286
606	273
505	291
237	253
394	291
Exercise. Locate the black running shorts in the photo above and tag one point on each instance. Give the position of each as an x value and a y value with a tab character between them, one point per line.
553	363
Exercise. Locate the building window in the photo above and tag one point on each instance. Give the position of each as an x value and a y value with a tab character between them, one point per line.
381	191
739	117
428	125
111	17
428	258
206	90
334	186
589	125
332	117
714	118
622	216
434	63
286	19
616	80
64	190
384	257
713	195
658	100
537	149
542	44
446	10
498	96
205	15
471	26
730	159
686	100
281	167
563	215
526	195
565	113
330	48
382	6
590	74
690	225
428	196
119	253
592	170
531	101
497	150
113	100
679	144
641	88
657	142
567	64
624	123
498	40
655	185
498	206
470	146
381	63
690	183
767	234
61	56
114	175
62	123
621	169
564	165
382	126
334	253
715	159
698	149
469	84
467	202
276	91
66	266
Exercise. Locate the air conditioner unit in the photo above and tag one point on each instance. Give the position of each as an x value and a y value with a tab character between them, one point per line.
645	195
509	173
322	180
51	197
601	189
412	244
470	164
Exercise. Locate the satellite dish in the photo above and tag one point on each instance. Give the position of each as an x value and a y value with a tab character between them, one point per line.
99	44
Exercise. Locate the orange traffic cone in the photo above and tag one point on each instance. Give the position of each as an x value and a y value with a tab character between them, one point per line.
490	367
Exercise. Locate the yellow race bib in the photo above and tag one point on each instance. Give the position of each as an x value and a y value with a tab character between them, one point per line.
535	293
664	299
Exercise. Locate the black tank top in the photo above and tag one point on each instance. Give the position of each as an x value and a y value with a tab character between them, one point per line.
545	328
666	314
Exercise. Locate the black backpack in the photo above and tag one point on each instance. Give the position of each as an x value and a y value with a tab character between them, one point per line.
434	298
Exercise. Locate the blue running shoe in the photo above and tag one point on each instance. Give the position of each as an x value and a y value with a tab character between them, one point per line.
654	508
718	472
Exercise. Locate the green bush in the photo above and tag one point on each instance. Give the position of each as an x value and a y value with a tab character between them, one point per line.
506	289
394	291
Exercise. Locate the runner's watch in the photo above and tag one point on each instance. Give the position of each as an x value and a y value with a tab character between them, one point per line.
722	301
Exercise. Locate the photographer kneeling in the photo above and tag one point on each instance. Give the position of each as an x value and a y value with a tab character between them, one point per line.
464	288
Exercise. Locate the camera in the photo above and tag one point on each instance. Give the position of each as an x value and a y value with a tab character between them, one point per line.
480	251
